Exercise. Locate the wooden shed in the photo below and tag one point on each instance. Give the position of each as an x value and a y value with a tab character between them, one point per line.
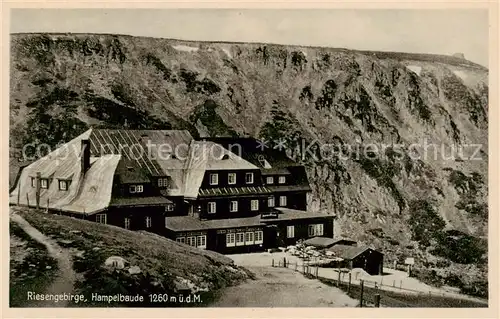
367	258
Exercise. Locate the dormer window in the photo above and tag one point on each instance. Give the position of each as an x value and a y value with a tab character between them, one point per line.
135	189
225	157
282	180
63	185
270	180
231	178
162	182
214	179
44	183
249	178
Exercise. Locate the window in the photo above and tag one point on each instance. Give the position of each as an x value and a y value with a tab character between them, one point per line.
270	201
181	240
290	231
269	180
282	179
211	207
148	222
258	237
132	189
249	178
315	230
44	183
214	179
126	223
201	242
254	204
33	182
101	218
282	200
249	238
233	206
139	188
231	178
230	240
169	208
63	185
240	239
162	182
191	241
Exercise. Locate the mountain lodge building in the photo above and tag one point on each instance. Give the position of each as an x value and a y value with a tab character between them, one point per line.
201	193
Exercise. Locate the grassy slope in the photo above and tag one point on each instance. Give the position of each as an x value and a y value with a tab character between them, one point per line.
164	263
31	267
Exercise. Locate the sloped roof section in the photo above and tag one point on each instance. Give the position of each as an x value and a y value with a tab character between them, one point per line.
85	194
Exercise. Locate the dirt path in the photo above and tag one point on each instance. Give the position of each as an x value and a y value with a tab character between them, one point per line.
63	282
280	287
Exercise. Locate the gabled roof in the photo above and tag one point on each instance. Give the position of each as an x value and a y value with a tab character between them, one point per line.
350	252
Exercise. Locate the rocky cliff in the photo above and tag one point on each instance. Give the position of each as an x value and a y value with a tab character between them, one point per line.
395	144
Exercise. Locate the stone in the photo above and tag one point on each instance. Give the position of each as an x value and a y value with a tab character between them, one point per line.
134	270
115	262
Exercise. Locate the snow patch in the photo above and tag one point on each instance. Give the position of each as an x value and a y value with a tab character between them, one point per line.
415	68
460	74
185	48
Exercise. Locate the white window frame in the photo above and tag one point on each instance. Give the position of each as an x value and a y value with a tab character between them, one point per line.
162	182
33	182
229	175
238	237
169	207
254	204
315	230
201	241
319	230
139	188
44	183
234	208
282	180
259	237
126	223
230	239
191	241
271	202
249	180
283	200
249	238
132	189
290	231
101	218
65	183
148	222
209	208
269	180
213	179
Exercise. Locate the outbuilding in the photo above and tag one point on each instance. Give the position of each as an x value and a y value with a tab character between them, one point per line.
367	258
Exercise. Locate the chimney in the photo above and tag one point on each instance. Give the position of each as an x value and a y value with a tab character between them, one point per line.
37	190
85	155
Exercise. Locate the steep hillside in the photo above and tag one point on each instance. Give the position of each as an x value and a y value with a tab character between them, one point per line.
405	192
145	263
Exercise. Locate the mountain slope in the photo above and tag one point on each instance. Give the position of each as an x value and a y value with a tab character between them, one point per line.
376	130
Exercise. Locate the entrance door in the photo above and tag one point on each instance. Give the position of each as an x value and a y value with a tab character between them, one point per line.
270	236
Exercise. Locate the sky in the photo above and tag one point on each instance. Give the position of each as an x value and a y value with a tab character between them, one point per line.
420	31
